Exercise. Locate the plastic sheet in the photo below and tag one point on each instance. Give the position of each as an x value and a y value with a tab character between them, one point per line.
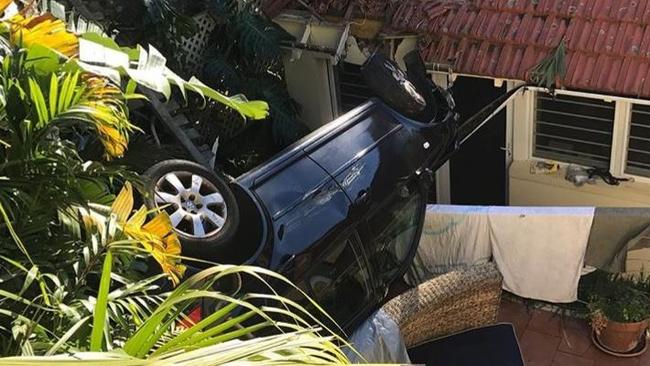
378	340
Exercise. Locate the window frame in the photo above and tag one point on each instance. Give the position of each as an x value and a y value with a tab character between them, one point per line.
620	135
356	243
535	129
366	233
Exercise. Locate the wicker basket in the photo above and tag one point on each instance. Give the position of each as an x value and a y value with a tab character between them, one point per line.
448	304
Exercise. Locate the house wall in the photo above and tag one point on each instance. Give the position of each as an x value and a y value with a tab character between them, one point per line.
310	81
527	189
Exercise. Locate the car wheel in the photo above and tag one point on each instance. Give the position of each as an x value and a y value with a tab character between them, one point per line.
391	84
201	206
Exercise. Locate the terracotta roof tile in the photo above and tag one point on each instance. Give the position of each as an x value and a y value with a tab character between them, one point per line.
607	41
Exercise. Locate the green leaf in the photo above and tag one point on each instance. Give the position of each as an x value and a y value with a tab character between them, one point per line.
54	94
66	336
99	314
102	40
43	60
550	71
13	234
29	278
38	101
255	109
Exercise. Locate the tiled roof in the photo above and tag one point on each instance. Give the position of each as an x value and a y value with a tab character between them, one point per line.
607	41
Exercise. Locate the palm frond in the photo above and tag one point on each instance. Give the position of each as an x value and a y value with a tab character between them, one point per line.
44	30
152	320
550	71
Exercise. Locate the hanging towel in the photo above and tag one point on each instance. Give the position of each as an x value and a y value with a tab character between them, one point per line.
540	250
453	237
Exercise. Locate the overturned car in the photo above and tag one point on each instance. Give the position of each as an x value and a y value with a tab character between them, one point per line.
339	212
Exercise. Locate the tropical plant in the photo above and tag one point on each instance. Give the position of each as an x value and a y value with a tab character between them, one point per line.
58	96
51	314
243	55
74	281
620	298
249	60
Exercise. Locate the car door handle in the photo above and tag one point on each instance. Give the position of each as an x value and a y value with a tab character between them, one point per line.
362	198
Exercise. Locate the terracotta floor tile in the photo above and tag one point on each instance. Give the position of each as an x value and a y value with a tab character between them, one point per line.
545	322
565	359
575	322
602	359
538	348
547	339
515	313
576	337
644	360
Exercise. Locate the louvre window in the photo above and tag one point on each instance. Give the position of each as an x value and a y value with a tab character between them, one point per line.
353	90
574	129
638	150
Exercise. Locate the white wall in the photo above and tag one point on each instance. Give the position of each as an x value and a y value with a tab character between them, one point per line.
310	82
527	189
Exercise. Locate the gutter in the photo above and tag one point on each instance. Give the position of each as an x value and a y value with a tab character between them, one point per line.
315	35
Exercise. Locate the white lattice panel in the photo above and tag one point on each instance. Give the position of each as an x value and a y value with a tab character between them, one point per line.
195	46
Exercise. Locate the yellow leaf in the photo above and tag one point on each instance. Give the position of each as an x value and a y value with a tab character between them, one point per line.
161	226
4	4
114	142
45	30
123	204
156	236
138	219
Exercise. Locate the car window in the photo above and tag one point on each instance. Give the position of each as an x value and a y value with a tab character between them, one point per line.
337	280
391	234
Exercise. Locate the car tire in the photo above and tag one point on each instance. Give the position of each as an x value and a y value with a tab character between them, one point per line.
201	205
386	80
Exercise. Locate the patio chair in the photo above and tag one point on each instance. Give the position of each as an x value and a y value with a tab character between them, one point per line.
450	320
447	304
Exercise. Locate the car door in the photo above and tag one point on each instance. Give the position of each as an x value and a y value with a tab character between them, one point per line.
304	204
375	163
336	275
373	159
390	234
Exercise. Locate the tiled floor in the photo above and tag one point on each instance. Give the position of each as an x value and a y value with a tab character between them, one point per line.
550	340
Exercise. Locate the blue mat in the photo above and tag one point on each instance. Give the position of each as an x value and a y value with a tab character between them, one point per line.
494	345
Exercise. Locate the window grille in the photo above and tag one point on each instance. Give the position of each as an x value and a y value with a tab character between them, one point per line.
638	149
574	129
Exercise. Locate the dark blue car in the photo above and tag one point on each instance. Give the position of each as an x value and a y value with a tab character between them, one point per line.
339	212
